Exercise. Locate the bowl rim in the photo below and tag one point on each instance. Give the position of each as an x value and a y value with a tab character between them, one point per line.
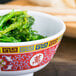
41	40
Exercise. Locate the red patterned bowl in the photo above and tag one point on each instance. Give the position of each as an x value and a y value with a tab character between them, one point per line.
25	58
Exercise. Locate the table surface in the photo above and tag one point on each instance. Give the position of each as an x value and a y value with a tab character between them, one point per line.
20	2
64	61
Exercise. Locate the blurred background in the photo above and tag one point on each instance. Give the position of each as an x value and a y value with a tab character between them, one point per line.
64	62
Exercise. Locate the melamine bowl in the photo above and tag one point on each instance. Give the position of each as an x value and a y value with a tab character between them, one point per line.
25	58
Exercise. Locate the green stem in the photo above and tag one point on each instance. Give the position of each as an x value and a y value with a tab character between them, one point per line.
11	27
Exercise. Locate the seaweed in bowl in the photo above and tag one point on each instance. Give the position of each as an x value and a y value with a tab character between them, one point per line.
16	26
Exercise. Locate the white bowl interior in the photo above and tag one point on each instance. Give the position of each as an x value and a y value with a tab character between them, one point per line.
46	25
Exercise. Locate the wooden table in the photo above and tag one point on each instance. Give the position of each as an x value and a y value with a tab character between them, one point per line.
21	2
64	61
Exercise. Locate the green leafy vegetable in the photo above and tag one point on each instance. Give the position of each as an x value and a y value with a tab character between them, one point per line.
16	27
